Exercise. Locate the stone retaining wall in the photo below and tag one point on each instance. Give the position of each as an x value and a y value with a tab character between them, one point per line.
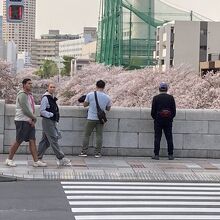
129	132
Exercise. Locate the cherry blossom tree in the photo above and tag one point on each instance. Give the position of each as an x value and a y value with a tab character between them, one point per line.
126	88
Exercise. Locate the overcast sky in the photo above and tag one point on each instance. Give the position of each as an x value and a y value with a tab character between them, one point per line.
70	16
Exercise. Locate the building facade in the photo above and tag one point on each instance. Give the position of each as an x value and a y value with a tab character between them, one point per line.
23	61
48	46
186	43
21	33
1	20
75	48
12	56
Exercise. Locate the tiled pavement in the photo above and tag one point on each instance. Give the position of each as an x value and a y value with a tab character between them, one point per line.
116	169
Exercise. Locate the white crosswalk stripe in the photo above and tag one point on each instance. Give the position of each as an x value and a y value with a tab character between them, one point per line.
134	201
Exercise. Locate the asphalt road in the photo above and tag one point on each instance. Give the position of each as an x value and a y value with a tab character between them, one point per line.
30	200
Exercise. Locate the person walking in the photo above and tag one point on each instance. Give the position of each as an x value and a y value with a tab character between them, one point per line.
25	124
163	111
49	112
92	119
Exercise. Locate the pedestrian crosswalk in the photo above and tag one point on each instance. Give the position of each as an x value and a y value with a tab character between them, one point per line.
143	200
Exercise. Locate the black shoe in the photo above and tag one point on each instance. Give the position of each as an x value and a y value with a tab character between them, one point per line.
170	157
155	157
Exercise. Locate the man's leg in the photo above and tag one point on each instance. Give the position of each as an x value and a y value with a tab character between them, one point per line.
90	125
33	149
99	137
19	139
43	145
157	137
169	137
13	149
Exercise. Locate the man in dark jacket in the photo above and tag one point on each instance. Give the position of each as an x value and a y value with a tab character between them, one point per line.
163	111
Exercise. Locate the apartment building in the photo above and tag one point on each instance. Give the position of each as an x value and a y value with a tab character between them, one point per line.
48	46
186	43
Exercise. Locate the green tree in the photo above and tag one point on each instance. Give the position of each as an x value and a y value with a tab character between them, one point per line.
67	65
48	69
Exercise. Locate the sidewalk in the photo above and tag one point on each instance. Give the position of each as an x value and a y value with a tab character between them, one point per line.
116	169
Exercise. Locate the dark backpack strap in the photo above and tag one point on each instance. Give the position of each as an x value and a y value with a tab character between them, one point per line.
96	100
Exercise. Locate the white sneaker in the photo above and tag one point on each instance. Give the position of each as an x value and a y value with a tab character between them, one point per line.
39	164
98	155
10	163
64	162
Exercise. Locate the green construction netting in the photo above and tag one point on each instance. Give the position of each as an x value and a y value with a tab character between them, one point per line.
135	46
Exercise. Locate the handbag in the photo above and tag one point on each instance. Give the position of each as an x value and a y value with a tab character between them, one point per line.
165	113
100	113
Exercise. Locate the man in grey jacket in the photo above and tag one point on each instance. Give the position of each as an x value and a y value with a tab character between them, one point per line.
25	124
49	112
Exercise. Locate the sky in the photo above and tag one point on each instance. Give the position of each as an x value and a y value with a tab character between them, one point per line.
70	16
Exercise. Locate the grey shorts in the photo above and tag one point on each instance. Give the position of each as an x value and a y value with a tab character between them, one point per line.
24	131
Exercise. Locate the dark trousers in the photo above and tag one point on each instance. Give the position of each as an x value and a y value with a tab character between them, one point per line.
167	128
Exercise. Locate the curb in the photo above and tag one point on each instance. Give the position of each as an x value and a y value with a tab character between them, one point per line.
4	178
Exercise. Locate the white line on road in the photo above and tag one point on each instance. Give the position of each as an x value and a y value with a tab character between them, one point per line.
142	203
140	197
140	183
145	188
146	210
146	217
108	192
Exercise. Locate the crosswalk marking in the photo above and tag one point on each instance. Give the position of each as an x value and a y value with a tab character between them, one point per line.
133	192
139	183
146	217
149	201
147	209
128	197
139	203
145	188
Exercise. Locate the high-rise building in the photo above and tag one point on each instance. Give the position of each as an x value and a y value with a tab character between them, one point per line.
12	56
21	33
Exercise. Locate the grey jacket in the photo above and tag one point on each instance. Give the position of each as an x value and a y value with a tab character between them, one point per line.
24	110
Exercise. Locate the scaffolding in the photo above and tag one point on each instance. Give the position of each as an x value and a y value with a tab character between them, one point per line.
126	32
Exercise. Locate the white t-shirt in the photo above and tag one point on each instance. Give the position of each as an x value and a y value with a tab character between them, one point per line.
103	100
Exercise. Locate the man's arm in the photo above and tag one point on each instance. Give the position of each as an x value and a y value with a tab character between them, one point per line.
23	101
174	108
108	107
153	109
43	105
85	104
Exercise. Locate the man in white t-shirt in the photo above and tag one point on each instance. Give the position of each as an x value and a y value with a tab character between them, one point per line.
92	119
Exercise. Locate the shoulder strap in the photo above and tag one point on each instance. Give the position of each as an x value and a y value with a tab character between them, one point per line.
96	100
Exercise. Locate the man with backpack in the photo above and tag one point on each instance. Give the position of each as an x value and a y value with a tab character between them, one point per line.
163	111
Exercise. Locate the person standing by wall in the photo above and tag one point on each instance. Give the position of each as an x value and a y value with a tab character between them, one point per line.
163	111
92	118
49	112
25	124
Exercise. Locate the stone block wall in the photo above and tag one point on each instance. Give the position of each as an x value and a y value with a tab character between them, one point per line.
128	132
